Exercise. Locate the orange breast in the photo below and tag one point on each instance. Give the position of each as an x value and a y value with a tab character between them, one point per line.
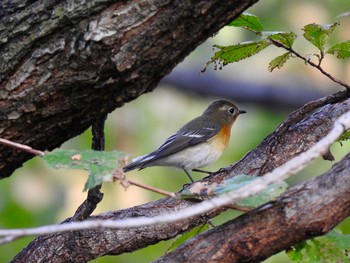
221	140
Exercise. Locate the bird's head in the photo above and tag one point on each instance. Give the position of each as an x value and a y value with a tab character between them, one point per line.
223	111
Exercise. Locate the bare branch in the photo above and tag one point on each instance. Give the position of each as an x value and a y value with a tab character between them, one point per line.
22	147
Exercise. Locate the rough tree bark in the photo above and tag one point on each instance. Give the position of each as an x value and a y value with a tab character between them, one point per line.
65	63
295	135
303	212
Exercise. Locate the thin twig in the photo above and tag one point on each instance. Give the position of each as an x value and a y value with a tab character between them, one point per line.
282	172
239	208
119	175
22	147
318	66
9	239
151	188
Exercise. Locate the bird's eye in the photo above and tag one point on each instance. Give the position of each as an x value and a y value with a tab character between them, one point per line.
231	110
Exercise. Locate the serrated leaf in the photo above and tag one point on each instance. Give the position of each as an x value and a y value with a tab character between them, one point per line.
248	21
201	189
279	61
186	236
342	49
99	164
230	54
318	35
285	38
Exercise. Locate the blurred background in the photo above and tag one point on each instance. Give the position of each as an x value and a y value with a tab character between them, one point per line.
36	195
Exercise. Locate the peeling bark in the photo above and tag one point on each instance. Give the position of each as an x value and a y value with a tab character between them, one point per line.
66	63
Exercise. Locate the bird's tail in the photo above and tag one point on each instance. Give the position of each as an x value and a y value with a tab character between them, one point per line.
130	167
137	163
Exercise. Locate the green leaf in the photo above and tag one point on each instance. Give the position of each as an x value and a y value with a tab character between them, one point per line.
279	61
285	38
201	189
184	237
342	49
266	195
230	54
318	35
99	164
331	247
342	241
344	137
248	21
295	253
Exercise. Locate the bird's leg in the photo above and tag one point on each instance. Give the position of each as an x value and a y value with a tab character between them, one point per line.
201	171
188	174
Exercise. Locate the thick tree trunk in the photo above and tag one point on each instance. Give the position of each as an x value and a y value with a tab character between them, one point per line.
297	134
63	64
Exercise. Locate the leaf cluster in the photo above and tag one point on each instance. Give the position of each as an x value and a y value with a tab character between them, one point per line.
316	34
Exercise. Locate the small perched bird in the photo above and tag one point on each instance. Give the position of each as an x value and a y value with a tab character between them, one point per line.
198	143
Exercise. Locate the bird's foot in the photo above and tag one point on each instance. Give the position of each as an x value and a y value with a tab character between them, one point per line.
201	171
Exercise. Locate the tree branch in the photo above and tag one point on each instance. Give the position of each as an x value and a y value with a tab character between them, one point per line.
303	212
279	174
66	64
21	147
312	64
272	152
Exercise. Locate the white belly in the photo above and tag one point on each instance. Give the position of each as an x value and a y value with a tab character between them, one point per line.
194	157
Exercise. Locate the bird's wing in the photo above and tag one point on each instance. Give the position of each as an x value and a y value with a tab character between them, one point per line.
187	136
194	132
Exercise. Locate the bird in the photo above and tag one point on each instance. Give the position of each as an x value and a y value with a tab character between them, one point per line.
197	144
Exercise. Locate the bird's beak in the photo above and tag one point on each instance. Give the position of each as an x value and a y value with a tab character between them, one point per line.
242	111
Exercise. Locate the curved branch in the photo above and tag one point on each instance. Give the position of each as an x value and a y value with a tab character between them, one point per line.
279	174
273	151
